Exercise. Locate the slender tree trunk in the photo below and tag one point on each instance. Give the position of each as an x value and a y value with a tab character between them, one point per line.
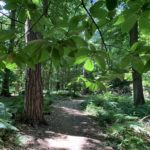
6	76
85	75
137	77
33	91
5	84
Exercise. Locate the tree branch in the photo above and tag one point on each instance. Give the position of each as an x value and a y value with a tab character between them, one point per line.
11	18
99	31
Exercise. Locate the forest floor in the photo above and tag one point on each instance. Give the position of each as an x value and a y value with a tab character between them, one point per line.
69	129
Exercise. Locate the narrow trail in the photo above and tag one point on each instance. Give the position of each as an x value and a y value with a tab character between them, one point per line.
69	129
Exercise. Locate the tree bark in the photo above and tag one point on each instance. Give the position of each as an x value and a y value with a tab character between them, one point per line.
6	76
137	77
33	112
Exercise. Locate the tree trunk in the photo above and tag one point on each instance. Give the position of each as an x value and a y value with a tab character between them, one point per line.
5	84
137	77
33	91
6	79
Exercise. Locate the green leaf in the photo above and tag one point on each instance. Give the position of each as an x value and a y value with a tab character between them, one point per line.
137	64
100	61
88	84
36	2
95	7
11	5
144	23
35	45
125	61
147	66
136	46
111	4
128	23
80	42
74	22
6	35
94	86
98	12
120	20
44	55
80	59
11	66
2	65
89	65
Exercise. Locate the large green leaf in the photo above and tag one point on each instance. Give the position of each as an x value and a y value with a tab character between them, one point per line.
6	35
75	21
80	42
144	23
10	5
94	86
100	61
89	65
125	61
37	2
96	6
81	59
127	20
36	51
34	45
128	23
44	55
147	66
97	11
137	64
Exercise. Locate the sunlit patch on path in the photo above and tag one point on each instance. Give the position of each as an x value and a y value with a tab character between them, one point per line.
69	129
68	142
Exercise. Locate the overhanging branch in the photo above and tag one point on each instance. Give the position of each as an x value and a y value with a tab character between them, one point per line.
91	17
11	18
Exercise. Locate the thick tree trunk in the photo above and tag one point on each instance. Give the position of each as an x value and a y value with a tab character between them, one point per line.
137	77
6	76
34	96
33	112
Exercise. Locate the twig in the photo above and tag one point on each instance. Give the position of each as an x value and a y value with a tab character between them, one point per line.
100	33
11	18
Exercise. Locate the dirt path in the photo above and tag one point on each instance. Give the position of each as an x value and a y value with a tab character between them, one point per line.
69	129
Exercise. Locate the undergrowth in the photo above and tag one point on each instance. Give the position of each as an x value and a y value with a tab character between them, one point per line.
121	120
6	127
11	109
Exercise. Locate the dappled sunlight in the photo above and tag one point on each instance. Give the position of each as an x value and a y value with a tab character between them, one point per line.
72	111
58	141
65	142
72	107
69	129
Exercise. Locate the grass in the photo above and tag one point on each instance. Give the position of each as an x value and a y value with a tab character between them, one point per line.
121	120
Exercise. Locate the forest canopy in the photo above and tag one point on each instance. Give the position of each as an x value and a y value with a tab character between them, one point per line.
97	50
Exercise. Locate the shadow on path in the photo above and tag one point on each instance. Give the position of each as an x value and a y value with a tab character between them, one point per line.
69	129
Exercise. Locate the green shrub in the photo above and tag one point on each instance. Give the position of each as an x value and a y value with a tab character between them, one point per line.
6	128
121	119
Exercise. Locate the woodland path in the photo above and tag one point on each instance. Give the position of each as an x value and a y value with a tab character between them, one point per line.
69	129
